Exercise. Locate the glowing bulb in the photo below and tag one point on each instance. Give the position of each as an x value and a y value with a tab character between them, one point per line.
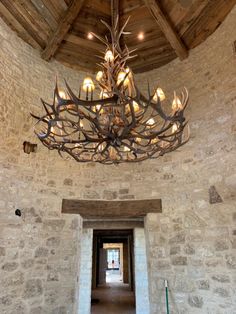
81	124
154	140
174	128
176	104
104	94
88	85
138	140
90	36
97	108
135	106
62	94
159	93
141	36
109	56
122	78
150	122
99	76
127	70
126	149
101	147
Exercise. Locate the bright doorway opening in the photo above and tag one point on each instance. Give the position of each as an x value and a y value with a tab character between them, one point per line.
113	272
114	255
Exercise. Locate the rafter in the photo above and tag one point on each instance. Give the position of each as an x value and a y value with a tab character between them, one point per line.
167	28
59	34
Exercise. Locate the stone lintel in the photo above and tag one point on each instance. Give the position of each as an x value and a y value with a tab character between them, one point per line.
125	209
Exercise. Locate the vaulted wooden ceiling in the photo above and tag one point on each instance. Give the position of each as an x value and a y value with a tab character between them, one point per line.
59	28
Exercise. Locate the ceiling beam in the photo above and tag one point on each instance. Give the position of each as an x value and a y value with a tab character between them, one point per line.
167	28
59	34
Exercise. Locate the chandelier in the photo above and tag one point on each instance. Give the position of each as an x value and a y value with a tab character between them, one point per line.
110	120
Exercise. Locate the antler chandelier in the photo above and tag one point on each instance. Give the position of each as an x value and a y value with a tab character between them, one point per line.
111	121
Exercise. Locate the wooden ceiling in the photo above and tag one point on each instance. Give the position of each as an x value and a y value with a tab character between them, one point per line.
59	28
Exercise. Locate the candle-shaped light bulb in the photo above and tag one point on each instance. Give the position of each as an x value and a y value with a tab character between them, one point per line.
154	140
81	124
99	76
176	104
109	57
126	149
123	77
62	94
159	93
174	128
104	94
127	70
88	85
135	106
150	122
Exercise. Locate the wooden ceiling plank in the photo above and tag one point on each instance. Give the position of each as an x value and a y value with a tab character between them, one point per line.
54	10
11	21
86	43
207	21
48	17
92	209
31	18
31	29
63	28
75	63
35	16
165	25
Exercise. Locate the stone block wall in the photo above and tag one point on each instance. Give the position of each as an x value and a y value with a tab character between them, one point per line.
141	273
39	250
192	243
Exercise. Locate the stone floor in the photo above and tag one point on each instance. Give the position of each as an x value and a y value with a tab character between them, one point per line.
114	298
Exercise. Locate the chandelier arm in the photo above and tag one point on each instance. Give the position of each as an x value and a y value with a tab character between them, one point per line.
156	107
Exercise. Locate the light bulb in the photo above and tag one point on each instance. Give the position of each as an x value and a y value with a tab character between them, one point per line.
141	36
127	70
101	147
159	93
150	122
154	140
174	128
62	94
176	104
99	76
109	56
138	140
122	78
88	85
135	106
126	149
81	124
90	36
104	94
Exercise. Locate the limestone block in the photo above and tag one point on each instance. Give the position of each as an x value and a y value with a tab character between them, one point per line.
33	288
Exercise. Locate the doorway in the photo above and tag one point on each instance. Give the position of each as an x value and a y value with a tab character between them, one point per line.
113	272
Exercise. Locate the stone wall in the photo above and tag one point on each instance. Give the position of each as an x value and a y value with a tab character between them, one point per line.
192	243
38	251
140	271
